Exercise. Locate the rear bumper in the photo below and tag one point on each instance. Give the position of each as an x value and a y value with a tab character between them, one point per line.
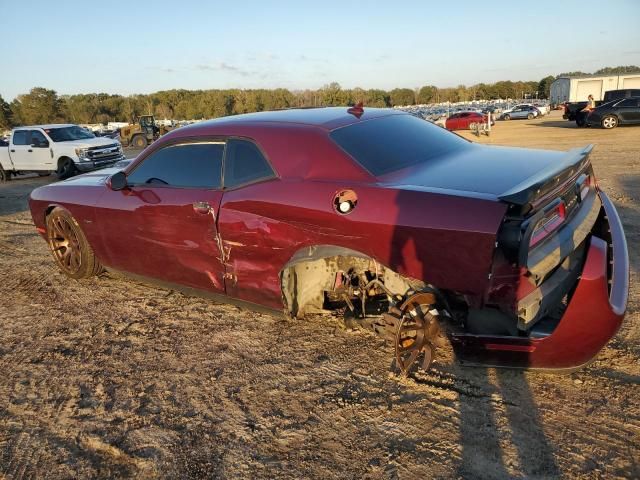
591	319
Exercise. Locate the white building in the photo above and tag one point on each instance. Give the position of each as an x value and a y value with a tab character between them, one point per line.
577	89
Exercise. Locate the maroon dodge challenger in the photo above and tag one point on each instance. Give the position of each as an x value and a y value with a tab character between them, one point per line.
513	255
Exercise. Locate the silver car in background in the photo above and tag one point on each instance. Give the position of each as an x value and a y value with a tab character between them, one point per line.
520	111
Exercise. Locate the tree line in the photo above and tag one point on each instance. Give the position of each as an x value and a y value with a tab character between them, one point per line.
43	105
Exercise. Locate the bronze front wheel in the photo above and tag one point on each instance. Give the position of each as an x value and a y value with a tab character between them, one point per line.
69	246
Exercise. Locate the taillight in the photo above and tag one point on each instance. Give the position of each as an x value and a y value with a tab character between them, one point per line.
549	223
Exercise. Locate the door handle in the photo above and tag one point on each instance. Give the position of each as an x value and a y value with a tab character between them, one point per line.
202	207
13	150
29	150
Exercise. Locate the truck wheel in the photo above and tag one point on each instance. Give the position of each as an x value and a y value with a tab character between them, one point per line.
4	175
530	116
609	122
139	141
69	246
66	168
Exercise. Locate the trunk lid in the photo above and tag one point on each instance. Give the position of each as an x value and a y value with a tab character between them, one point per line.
514	175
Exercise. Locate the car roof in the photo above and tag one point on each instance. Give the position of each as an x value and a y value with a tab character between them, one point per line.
53	125
328	118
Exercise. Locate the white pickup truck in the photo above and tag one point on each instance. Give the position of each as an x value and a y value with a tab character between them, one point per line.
66	149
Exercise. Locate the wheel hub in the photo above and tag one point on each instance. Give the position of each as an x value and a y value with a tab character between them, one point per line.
64	245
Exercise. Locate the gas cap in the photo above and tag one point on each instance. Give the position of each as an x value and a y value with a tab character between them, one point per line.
345	202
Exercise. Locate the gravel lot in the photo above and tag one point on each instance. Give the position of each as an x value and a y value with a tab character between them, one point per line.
111	378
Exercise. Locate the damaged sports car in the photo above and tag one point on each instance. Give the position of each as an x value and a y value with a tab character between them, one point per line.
513	255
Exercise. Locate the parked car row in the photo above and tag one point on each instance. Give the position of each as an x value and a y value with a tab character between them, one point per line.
495	107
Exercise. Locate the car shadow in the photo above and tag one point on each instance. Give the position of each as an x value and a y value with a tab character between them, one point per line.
499	417
556	124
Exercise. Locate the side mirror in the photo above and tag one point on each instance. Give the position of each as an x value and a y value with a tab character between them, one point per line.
118	181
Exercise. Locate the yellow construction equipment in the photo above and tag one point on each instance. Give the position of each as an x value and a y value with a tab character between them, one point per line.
142	132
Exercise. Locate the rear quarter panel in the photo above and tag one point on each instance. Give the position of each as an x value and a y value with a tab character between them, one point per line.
443	239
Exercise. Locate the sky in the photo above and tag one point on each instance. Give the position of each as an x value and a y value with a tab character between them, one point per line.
143	47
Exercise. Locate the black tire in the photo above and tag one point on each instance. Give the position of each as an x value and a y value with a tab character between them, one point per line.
69	246
506	117
4	175
66	168
609	122
139	141
530	116
580	122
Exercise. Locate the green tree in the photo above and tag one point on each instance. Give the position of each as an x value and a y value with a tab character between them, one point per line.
402	96
544	86
5	115
427	94
618	70
38	106
577	73
332	95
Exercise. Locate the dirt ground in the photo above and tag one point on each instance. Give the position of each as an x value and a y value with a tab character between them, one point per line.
111	378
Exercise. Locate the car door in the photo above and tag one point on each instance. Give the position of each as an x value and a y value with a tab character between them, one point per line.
41	157
465	119
163	225
634	112
252	239
20	149
452	122
517	113
628	110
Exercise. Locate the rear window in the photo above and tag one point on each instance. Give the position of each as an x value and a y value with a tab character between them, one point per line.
244	163
391	143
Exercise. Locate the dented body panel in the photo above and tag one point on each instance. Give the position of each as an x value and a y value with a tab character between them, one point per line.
447	241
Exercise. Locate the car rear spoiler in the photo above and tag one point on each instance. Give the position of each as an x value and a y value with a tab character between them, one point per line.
545	180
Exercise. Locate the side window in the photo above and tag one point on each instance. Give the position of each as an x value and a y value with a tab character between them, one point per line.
629	102
188	165
21	137
37	138
244	163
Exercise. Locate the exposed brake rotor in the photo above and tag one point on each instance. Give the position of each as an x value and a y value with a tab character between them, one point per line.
413	329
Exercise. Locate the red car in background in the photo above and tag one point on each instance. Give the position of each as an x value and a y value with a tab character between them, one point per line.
462	120
515	254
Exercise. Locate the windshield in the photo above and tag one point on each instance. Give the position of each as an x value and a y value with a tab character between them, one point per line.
67	134
391	143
